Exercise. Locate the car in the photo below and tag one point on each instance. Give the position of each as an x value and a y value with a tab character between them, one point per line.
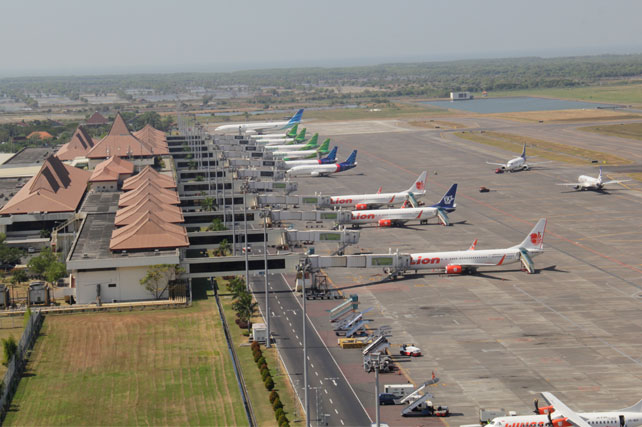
386	399
31	250
484	189
410	350
499	170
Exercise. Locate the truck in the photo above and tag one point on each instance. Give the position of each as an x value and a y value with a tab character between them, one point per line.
398	390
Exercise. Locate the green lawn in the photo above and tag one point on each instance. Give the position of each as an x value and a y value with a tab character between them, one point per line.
628	130
257	391
10	326
616	94
162	367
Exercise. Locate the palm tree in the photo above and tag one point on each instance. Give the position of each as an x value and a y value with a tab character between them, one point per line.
245	308
224	247
207	204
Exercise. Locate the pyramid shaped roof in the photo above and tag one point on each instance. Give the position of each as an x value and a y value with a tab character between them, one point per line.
150	188
97	119
148	232
153	137
111	169
55	188
130	214
120	142
78	146
148	174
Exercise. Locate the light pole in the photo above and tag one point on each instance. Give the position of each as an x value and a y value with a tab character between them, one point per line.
247	268
265	278
377	358
305	351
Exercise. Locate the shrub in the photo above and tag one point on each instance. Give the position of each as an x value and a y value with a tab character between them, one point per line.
258	355
263	366
246	333
10	346
283	421
273	396
277	404
269	384
278	413
255	345
264	374
261	361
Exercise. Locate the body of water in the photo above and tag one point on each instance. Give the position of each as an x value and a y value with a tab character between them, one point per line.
515	105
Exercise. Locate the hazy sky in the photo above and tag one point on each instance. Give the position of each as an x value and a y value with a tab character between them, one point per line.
75	37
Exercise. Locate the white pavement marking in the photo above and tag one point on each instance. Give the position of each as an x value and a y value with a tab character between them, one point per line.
300	343
336	412
316	373
272	314
326	391
330	399
311	364
334	382
342	422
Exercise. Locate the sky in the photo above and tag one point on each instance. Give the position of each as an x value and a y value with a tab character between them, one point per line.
73	37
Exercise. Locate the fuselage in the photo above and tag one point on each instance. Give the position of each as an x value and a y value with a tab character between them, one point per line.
394	216
285	147
257	127
307	162
586	181
441	260
300	154
371	200
516	164
597	419
319	170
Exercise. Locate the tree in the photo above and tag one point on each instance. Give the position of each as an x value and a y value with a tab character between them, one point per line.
18	277
223	247
8	255
208	204
56	270
216	225
9	347
207	99
160	277
245	307
39	264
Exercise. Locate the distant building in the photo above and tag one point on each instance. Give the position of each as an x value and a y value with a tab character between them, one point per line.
460	96
96	119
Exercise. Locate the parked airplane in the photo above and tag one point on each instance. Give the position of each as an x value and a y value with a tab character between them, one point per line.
400	216
516	164
260	127
585	182
291	147
324	169
330	159
269	139
302	153
373	201
557	414
457	262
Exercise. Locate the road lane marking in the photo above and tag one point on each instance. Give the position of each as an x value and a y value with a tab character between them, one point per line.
316	373
330	399
334	382
342	422
311	364
336	412
326	391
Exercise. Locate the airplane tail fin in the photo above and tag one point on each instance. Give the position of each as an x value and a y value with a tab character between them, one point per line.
448	200
535	239
352	159
419	186
333	155
635	408
296	118
599	177
301	136
325	147
523	156
293	131
312	143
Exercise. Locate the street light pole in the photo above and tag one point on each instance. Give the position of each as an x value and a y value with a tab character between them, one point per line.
265	278
305	353
377	359
247	267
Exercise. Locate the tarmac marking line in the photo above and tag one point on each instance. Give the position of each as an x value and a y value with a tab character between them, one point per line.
330	399
336	412
342	422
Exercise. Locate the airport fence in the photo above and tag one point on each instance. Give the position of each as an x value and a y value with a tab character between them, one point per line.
18	362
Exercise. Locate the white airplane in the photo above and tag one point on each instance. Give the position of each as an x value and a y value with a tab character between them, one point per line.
516	164
303	153
585	182
269	139
261	127
313	142
324	169
399	216
560	415
457	262
373	201
329	160
291	134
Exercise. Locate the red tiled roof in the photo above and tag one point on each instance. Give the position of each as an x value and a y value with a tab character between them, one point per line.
120	142
97	119
40	134
149	188
148	174
78	146
154	137
55	188
148	232
168	213
111	169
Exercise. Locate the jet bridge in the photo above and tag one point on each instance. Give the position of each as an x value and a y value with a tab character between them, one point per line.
254	163
271	173
393	262
286	187
343	238
274	200
280	216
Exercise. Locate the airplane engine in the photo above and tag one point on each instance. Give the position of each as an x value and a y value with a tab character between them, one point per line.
385	223
454	269
315	174
561	422
544	409
362	206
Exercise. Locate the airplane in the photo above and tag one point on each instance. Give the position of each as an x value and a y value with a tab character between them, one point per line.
291	147
268	139
288	135
324	169
373	201
468	261
557	414
261	127
585	182
303	154
399	216
330	159
516	164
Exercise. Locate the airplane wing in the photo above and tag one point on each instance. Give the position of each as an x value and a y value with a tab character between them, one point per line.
569	183
539	163
565	411
615	182
482	264
496	164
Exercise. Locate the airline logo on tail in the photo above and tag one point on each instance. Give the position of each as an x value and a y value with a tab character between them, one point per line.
536	238
296	118
420	185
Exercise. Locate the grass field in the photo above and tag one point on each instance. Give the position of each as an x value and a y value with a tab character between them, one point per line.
544	149
10	326
630	94
164	367
258	394
566	116
628	130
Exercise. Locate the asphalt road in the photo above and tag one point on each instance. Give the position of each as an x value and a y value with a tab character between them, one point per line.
329	392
